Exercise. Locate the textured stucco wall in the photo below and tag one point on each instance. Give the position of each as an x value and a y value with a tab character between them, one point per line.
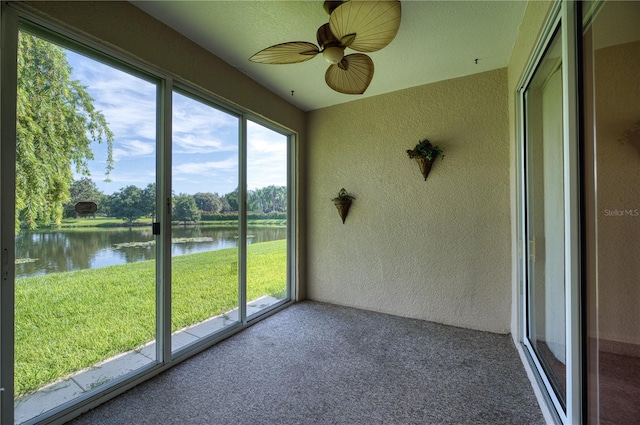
438	249
128	30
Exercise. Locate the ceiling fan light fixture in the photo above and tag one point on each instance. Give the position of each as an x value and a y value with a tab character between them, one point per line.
360	25
333	54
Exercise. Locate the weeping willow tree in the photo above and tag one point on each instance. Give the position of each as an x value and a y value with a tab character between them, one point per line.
56	124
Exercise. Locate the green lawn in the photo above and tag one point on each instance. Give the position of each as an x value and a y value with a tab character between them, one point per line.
69	321
99	222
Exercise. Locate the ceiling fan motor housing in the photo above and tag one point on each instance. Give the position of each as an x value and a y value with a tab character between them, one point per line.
333	54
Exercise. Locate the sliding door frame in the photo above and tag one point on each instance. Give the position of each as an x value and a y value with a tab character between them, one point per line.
563	17
205	342
18	20
11	17
8	103
291	222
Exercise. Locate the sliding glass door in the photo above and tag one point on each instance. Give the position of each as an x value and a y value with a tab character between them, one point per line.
205	227
85	200
611	63
229	232
549	204
267	205
545	216
143	220
579	212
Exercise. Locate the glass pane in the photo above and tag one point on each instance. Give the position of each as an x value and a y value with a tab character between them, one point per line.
85	254
612	139
266	217
205	227
545	216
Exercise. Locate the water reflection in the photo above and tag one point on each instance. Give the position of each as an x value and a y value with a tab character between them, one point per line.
42	252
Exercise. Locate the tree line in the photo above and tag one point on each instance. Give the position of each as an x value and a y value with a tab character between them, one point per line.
132	203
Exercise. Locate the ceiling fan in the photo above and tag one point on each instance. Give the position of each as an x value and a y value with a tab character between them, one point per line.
363	26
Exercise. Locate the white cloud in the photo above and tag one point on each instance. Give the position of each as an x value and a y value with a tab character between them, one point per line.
204	168
196	124
266	157
262	146
132	148
191	143
125	178
189	115
127	102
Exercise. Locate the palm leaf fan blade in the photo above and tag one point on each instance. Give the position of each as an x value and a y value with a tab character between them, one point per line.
285	53
352	76
375	23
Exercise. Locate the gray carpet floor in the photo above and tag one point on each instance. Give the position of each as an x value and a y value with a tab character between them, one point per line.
316	363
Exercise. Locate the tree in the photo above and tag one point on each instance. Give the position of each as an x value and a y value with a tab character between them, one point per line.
209	202
185	209
254	201
232	200
267	199
226	208
85	190
129	204
56	124
149	200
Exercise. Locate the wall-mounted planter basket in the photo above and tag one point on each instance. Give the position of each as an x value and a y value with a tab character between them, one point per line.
425	154
343	203
425	165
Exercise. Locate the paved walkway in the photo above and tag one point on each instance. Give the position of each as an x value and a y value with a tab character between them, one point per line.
71	387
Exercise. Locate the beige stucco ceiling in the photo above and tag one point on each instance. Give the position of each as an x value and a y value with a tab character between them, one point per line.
437	40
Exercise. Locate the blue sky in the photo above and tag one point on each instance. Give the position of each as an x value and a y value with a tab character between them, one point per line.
205	140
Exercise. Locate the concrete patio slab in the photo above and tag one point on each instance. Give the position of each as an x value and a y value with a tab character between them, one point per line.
212	325
45	399
181	339
111	369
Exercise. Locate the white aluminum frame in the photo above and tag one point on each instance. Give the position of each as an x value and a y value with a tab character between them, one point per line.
8	97
564	17
291	223
573	247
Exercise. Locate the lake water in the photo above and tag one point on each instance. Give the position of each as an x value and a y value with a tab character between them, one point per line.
42	252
